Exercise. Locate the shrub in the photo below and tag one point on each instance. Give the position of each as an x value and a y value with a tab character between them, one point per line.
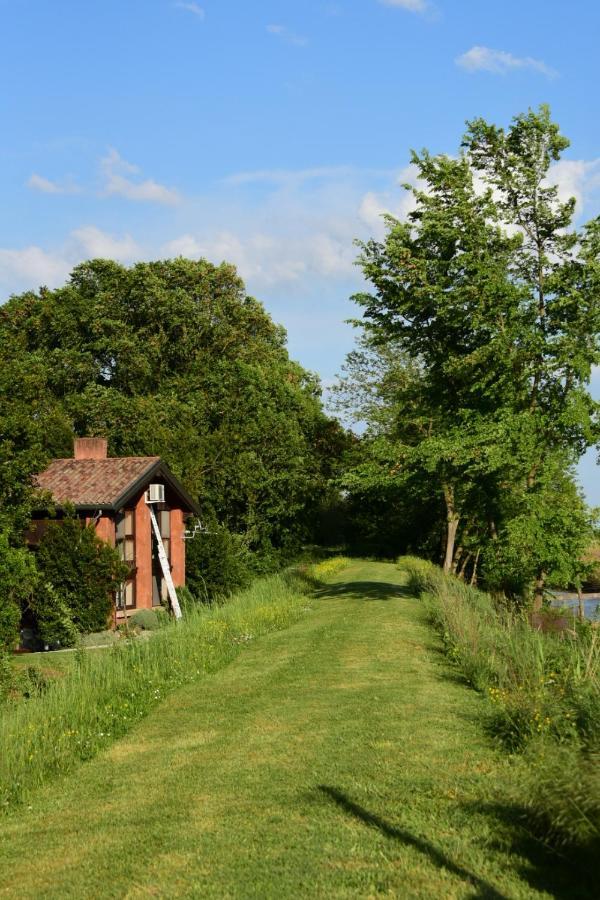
149	619
17	581
82	569
10	616
217	563
53	618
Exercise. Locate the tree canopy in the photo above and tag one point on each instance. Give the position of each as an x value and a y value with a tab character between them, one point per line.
487	301
168	358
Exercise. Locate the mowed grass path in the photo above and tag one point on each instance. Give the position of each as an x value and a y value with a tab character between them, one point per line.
339	758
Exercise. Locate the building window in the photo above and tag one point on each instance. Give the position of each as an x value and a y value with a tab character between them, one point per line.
160	594
164	523
125	544
126	594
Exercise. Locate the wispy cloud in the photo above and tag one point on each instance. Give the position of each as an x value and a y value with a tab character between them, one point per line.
298	227
416	6
27	267
285	34
116	169
579	178
46	186
191	8
91	242
294	177
500	62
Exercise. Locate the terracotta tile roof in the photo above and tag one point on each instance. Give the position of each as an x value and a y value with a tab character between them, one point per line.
93	482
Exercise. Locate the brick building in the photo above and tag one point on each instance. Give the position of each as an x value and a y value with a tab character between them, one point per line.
111	493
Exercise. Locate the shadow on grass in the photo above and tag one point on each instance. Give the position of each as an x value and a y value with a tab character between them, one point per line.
484	890
363	590
563	876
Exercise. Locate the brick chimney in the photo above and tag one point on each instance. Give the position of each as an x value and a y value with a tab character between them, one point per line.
90	448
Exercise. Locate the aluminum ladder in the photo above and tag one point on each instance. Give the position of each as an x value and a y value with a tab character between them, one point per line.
164	564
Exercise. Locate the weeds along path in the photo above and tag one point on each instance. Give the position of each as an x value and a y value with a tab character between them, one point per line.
339	758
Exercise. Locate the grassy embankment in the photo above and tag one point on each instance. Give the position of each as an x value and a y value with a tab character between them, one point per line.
543	699
98	696
338	758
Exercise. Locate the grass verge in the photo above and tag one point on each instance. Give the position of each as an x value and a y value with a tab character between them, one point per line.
105	694
543	693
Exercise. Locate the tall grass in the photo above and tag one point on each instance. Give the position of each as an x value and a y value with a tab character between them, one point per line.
542	691
108	692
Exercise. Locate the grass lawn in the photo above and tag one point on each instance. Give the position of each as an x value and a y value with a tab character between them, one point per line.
339	758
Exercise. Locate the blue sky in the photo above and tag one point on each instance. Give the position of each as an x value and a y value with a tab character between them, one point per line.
270	134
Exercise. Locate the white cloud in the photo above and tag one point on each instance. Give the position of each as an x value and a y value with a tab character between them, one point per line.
417	6
192	8
300	229
267	258
91	242
186	245
115	170
577	178
39	183
375	205
290	176
30	267
285	34
500	62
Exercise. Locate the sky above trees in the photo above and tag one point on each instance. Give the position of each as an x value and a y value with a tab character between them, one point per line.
270	134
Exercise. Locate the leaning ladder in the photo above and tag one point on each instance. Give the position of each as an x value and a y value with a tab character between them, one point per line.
164	564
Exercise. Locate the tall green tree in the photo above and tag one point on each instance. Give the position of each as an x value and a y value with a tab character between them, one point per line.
438	278
489	291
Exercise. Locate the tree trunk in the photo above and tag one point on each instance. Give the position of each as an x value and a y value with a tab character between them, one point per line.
461	569
457	559
538	593
473	581
452	520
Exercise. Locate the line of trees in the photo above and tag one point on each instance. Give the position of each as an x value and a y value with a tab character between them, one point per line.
472	371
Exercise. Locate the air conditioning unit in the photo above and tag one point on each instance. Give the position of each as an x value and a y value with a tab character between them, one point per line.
155	493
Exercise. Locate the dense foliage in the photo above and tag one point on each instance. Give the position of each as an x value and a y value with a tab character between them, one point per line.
78	574
17	581
172	359
478	342
217	561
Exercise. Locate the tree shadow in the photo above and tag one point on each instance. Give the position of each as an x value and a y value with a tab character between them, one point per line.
565	877
363	590
484	890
